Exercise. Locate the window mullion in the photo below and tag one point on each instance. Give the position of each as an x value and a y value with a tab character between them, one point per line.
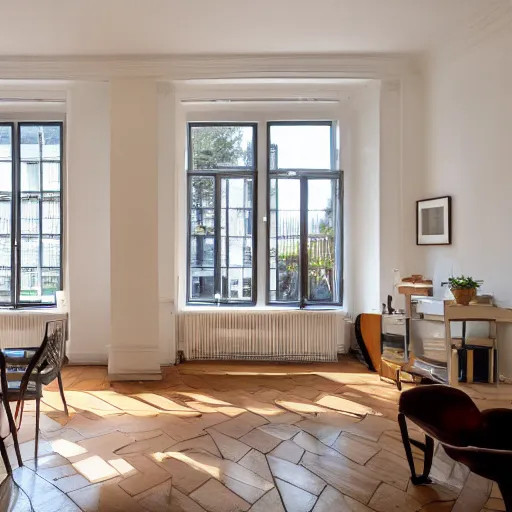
217	230
40	269
227	241
303	241
14	154
277	238
17	229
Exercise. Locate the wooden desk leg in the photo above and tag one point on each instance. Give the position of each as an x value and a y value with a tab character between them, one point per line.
494	377
470	365
454	370
491	366
448	346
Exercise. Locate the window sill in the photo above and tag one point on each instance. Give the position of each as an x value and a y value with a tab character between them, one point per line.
7	310
268	309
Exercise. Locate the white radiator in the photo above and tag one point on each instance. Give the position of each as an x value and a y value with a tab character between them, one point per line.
261	335
25	328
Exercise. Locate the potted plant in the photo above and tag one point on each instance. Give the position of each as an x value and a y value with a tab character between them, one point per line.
463	289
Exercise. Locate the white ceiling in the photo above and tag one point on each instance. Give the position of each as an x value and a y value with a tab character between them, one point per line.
115	27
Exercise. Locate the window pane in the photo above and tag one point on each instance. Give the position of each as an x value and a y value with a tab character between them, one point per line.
5	215
285	239
202	192
51	214
5	282
30	275
202	221
30	176
6	168
236	232
222	147
202	284
30	214
202	251
51	282
300	146
51	176
51	251
40	222
5	143
5	173
322	252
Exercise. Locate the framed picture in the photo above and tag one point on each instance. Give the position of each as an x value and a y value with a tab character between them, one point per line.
434	221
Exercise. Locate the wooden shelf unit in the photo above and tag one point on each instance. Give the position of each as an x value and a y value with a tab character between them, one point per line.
478	313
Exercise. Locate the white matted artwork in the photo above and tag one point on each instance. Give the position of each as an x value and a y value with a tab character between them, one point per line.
434	221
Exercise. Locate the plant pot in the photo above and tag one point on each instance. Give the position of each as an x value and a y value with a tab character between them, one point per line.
463	296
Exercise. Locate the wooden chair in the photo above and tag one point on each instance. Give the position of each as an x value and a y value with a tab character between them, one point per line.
7	425
479	439
43	367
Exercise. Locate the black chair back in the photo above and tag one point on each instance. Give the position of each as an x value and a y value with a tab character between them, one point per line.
53	352
47	361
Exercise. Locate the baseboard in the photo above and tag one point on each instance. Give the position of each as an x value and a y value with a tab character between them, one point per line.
133	376
136	362
87	358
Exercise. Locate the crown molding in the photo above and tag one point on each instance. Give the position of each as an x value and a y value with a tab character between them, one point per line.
201	67
495	17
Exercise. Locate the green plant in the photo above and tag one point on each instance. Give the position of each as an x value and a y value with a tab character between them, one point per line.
463	283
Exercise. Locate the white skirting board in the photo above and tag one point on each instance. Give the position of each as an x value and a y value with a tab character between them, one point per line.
296	335
134	363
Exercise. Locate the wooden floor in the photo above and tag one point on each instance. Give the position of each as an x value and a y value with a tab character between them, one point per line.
226	437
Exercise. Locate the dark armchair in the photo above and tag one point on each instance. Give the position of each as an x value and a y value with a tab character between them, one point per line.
482	440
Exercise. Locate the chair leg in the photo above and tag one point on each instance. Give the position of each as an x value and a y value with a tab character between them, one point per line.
38	412
61	389
5	457
428	449
14	432
429	457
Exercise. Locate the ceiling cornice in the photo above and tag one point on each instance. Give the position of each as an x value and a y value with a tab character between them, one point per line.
493	18
192	67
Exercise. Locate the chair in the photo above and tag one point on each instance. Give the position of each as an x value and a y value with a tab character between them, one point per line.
21	357
7	425
42	368
479	439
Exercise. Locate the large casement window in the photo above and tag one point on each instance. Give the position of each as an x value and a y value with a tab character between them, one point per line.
222	209
305	214
30	213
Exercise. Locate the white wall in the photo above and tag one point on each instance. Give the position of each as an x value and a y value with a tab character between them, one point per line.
167	223
134	287
88	220
390	189
362	203
469	155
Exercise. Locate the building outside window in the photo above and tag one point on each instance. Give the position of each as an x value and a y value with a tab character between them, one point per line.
30	213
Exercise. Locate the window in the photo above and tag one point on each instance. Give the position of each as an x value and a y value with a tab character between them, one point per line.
30	213
305	214
221	202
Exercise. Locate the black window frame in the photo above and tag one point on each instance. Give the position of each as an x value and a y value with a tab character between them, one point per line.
218	175
304	175
16	302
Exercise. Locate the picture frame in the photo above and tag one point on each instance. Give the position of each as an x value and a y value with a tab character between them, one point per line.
434	221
